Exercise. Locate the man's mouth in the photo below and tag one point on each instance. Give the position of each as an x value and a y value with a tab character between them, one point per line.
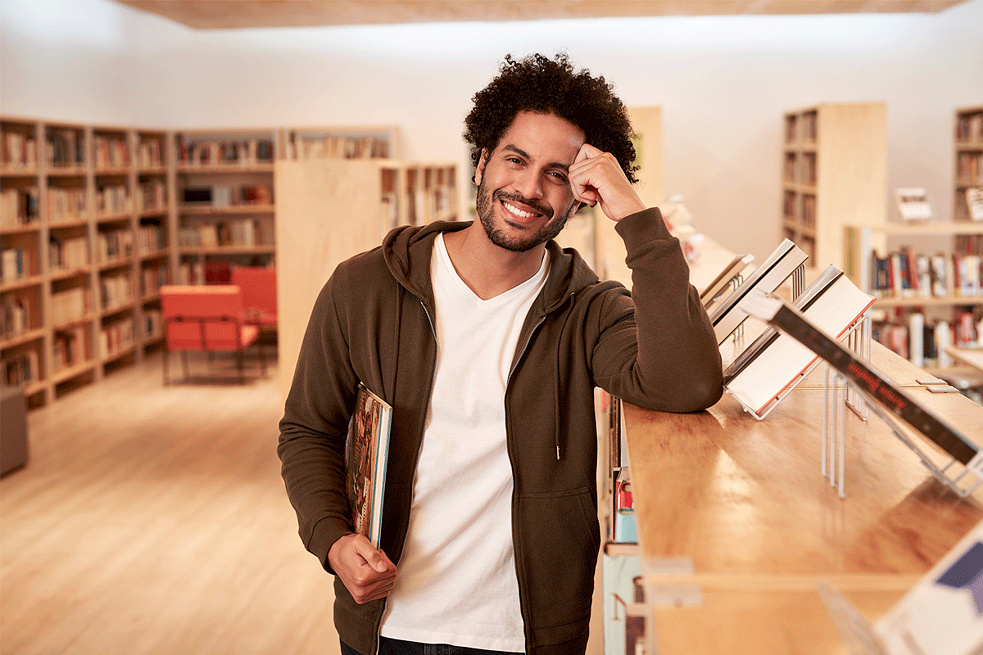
523	213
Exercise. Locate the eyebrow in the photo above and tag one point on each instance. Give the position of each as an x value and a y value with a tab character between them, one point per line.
523	153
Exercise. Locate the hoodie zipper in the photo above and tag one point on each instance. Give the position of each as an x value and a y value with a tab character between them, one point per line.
419	450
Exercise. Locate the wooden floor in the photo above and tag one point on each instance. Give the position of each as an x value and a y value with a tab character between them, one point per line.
152	520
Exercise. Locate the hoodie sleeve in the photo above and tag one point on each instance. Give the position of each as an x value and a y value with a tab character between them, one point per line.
314	428
657	347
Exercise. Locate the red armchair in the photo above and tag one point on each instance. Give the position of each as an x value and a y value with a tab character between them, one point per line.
206	318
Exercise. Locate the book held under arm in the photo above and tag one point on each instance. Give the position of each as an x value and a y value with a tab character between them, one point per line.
366	457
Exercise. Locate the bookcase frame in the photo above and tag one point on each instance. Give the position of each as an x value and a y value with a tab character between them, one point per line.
834	174
120	187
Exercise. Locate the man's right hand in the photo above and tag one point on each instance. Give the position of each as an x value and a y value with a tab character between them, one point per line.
368	573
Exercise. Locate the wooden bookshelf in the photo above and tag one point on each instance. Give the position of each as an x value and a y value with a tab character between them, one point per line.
834	174
68	214
968	170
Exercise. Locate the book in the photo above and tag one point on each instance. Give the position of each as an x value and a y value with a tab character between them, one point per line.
366	459
913	204
774	361
871	382
943	613
974	202
779	266
727	276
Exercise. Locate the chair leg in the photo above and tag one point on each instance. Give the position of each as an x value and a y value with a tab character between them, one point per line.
166	381
184	364
242	373
262	359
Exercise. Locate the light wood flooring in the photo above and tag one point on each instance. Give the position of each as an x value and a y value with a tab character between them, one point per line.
152	520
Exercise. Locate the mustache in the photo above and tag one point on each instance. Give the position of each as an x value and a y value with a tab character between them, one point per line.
516	198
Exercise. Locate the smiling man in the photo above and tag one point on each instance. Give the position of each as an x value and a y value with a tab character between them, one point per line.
488	340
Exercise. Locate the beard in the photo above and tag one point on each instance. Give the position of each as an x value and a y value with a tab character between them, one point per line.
485	206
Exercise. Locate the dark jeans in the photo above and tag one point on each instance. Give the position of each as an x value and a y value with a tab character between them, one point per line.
397	647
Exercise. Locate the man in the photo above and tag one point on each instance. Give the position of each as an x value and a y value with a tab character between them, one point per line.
489	340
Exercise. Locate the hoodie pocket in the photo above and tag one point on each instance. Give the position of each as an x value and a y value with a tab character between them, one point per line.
559	538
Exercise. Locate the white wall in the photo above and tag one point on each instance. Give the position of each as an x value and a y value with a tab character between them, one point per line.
723	83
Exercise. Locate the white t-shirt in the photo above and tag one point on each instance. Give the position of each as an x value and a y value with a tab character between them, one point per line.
456	581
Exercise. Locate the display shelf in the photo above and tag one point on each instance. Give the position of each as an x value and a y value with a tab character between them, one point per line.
834	174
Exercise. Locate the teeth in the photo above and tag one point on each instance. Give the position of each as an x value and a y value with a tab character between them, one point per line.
515	210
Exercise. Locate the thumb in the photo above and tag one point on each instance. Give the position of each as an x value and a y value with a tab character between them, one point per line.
373	557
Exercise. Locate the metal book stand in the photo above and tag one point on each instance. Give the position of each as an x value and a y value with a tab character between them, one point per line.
798	286
963	480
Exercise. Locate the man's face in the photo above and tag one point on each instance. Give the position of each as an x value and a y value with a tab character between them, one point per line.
524	196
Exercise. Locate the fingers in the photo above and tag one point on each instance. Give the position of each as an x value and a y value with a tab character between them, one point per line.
597	177
366	572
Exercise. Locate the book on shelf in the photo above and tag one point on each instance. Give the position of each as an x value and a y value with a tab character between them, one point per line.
775	361
366	457
974	202
778	267
872	383
728	276
907	274
942	614
913	204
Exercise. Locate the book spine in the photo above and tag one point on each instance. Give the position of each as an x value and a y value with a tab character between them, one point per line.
874	384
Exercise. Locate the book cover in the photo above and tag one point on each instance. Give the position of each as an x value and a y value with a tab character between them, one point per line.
871	382
779	266
943	613
913	204
775	361
366	456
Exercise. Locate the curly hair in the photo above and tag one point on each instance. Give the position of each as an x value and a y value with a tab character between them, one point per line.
541	85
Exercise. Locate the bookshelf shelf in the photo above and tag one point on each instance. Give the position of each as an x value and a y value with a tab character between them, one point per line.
835	174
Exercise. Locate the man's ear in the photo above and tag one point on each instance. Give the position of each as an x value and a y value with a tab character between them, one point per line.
482	161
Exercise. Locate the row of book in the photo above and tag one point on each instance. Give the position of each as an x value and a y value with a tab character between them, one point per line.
68	348
113	246
21	369
112	200
969	127
115	290
15	316
924	342
219	195
18	151
908	274
150	153
153	277
153	323
150	239
15	264
969	168
115	337
237	232
67	204
65	148
151	196
337	147
110	151
19	206
801	127
208	153
67	254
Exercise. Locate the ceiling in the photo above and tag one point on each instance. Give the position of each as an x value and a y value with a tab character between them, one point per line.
234	14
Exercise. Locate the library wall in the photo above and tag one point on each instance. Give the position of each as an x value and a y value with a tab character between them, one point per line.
723	84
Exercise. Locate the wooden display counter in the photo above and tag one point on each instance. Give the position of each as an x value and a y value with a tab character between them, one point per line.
746	503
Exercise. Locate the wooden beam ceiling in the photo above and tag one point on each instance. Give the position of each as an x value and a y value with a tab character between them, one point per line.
235	14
